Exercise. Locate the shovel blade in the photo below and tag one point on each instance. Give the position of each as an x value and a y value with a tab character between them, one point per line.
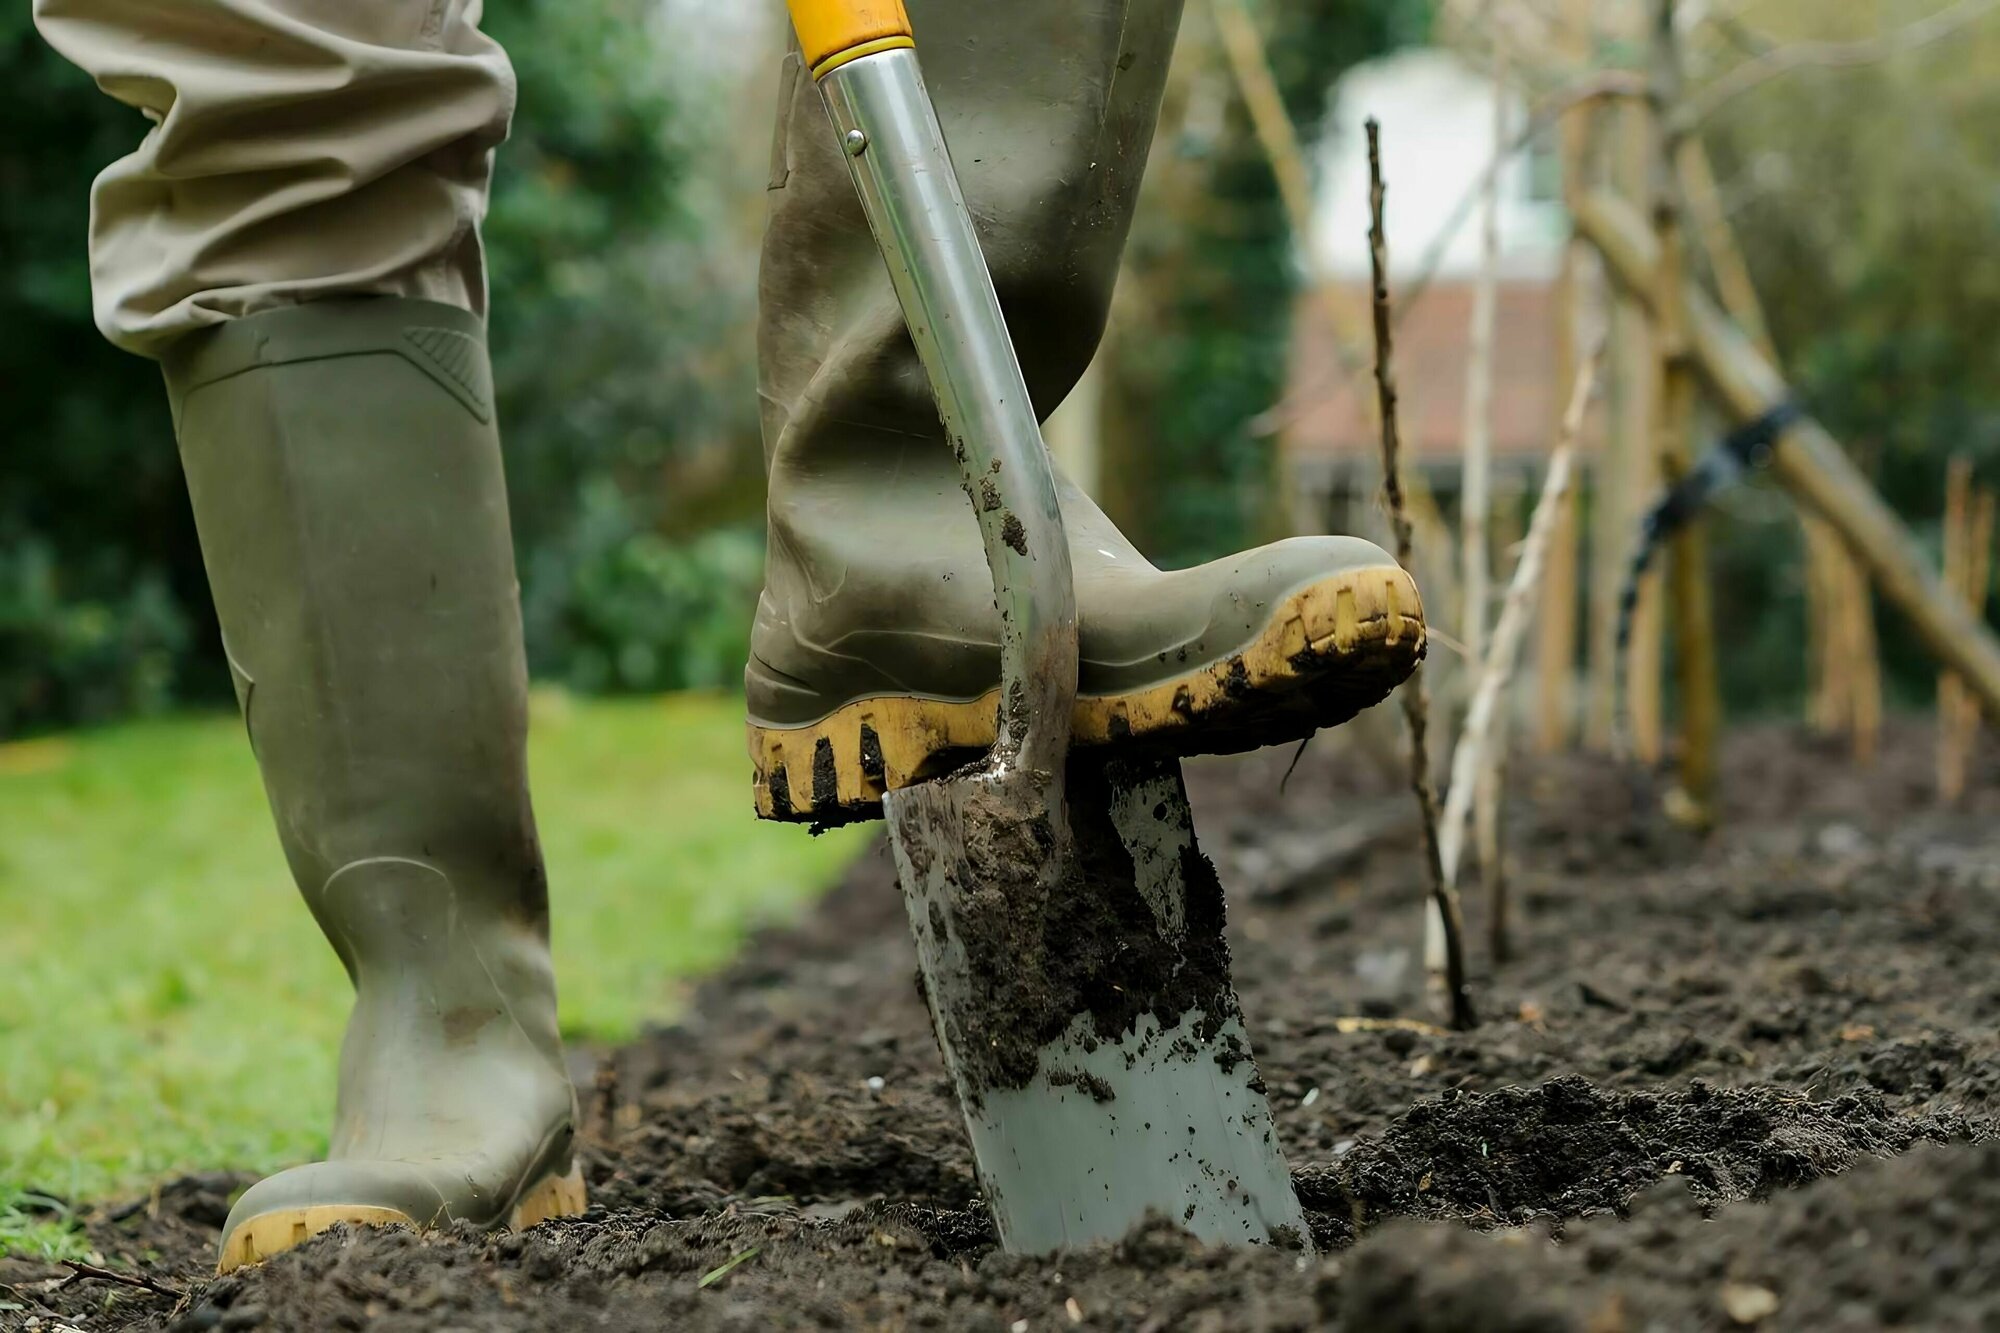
1078	982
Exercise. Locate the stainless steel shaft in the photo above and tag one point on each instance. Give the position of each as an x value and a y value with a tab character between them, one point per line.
896	150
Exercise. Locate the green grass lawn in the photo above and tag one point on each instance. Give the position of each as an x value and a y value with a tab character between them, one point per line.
166	1003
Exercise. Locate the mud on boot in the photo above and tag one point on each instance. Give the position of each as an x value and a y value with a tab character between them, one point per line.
874	658
1253	650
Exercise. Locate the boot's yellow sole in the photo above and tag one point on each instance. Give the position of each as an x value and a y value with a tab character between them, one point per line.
1328	651
258	1238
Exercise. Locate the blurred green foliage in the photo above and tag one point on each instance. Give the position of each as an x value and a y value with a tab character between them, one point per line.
81	657
622	292
612	609
1211	278
94	527
1867	200
622	250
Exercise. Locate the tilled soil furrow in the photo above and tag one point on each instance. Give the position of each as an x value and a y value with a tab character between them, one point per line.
1747	1081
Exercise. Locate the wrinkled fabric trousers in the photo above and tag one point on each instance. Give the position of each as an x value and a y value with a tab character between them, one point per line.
298	149
304	149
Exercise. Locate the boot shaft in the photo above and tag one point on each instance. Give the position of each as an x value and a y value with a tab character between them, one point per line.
346	480
875	579
1048	107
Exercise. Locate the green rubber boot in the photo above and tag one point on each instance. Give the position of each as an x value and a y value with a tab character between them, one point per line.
346	478
874	660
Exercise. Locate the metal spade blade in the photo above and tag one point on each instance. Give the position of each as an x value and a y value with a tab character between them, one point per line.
1069	930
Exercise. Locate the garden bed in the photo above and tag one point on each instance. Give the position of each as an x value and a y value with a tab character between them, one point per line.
1748	1080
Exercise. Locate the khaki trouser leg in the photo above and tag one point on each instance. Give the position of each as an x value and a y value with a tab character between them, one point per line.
299	149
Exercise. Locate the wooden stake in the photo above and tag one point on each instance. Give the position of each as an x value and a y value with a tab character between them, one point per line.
1555	654
1978	578
1476	494
1827	709
1444	907
1806	461
1694	625
1718	241
1486	827
1470	754
1861	675
1632	471
1968	545
1475	497
1844	680
1950	771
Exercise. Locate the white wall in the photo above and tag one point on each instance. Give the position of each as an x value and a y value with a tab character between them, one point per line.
1437	137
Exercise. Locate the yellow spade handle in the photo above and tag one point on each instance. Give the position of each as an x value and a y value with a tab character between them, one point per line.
833	32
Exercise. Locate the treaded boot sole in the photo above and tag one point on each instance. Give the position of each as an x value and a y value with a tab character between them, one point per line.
1329	650
258	1238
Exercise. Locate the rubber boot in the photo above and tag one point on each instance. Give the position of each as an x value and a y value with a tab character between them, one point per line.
346	479
874	659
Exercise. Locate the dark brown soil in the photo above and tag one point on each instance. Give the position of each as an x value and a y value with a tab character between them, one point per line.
1746	1081
1052	927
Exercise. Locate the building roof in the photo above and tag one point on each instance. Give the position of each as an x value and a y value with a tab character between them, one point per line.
1332	419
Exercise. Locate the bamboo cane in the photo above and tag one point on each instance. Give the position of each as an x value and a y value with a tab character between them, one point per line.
1486	825
1475	495
1806	461
1279	138
1694	623
1844	681
1511	628
1718	241
1978	577
1951	690
1555	654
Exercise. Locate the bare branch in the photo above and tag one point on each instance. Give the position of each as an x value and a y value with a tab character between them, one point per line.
1468	756
1416	706
1783	59
80	1272
1279	138
1604	86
